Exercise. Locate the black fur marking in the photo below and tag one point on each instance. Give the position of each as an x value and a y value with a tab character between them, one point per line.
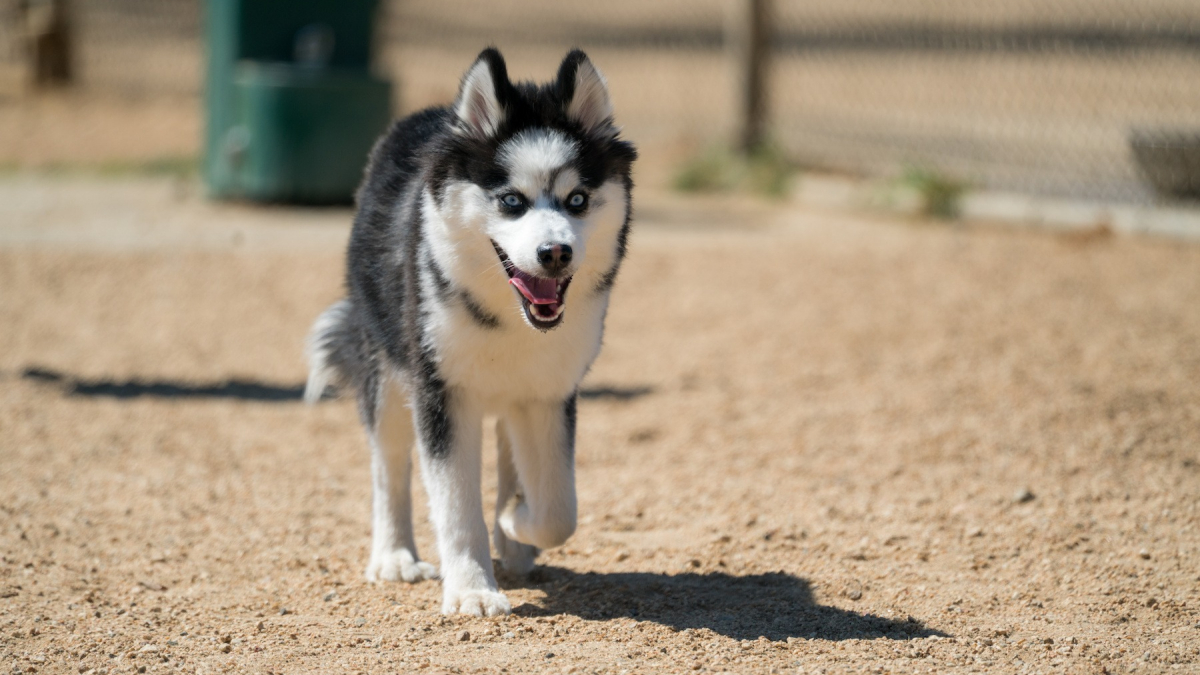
569	417
434	424
431	402
440	281
565	80
430	399
445	291
481	316
610	277
368	399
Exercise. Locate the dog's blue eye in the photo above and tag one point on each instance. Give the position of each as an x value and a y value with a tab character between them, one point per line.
577	200
511	200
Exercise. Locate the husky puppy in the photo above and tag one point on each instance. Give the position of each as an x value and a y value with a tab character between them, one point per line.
487	239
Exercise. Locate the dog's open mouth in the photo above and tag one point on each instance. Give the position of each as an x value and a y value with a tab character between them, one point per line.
542	298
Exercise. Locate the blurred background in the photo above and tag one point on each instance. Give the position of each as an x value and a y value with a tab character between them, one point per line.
1094	99
838	413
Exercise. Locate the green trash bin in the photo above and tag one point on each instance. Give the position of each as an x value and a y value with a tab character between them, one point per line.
292	105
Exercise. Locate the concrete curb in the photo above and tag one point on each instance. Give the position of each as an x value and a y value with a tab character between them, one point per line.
1004	208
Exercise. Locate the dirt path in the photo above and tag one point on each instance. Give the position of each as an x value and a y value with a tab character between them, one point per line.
812	444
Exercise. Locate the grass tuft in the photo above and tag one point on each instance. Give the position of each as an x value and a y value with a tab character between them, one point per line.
170	166
765	171
940	195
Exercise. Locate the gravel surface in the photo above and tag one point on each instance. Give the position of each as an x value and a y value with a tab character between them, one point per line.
813	444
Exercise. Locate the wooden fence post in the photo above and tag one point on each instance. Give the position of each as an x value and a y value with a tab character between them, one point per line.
750	45
46	25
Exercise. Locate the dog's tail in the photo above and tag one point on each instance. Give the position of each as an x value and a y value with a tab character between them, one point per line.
327	341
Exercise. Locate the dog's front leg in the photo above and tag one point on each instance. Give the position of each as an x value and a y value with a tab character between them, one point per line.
543	439
448	435
393	550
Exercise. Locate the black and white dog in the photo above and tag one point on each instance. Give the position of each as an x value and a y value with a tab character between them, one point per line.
476	224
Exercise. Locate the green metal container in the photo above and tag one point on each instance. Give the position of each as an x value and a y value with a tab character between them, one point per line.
292	105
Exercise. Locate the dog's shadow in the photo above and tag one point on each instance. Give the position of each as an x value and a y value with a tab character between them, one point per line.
774	605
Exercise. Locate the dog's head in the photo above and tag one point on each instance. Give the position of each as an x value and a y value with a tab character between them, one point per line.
541	173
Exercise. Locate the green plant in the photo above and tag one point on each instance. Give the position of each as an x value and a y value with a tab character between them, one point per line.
172	166
764	170
710	171
181	167
940	195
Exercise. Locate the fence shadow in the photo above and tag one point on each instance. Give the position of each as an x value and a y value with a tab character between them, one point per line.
613	393
244	390
775	605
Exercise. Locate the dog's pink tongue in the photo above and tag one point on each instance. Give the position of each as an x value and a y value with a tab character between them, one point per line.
537	291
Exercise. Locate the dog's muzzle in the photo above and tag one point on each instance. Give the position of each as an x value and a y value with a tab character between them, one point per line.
542	298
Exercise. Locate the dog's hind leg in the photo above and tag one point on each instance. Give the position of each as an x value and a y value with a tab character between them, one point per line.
393	549
515	557
543	436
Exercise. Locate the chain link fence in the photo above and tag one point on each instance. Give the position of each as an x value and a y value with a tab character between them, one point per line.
128	48
1040	97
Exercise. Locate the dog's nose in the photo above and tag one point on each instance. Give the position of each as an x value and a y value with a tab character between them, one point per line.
554	257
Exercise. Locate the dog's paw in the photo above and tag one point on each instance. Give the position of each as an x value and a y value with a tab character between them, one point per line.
475	602
519	525
399	565
515	557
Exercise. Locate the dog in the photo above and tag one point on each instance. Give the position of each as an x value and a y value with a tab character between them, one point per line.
486	242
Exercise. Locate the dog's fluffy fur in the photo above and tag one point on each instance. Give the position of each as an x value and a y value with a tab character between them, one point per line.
487	239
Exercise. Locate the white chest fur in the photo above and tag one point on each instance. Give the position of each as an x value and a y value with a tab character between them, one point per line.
515	361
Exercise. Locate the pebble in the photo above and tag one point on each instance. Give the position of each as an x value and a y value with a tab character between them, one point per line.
360	621
1145	554
284	611
464	636
1024	495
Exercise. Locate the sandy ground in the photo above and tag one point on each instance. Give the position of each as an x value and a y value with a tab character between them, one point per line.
813	444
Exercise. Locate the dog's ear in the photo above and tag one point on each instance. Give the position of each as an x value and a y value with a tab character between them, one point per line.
585	94
480	104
